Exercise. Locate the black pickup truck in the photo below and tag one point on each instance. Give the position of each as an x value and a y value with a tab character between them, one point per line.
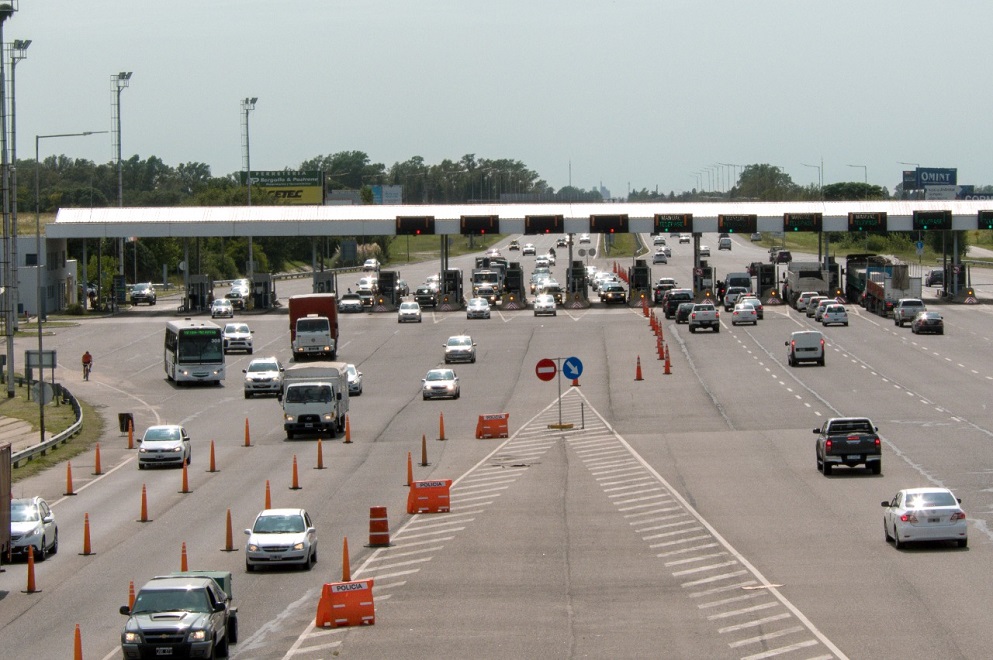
184	615
850	441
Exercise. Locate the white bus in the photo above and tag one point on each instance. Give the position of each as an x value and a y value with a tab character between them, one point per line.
194	352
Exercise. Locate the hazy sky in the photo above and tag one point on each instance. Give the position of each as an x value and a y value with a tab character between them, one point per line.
634	93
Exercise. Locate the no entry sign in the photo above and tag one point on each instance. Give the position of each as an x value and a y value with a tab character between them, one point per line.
545	369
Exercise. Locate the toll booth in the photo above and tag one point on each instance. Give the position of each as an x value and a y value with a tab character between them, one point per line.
703	281
199	293
765	276
387	295
450	296
263	291
514	293
577	295
639	283
325	281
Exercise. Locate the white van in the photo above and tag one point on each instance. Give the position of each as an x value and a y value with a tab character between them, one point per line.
805	346
801	302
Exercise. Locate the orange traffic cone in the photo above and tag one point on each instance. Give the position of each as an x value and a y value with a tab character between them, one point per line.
268	496
213	465
575	382
96	460
130	434
69	479
32	589
668	370
424	450
637	373
130	594
144	505
183	564
320	455
248	436
296	476
348	430
346	570
77	645
186	480
410	470
86	535
441	426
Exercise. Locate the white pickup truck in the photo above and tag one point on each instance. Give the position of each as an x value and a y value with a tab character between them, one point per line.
906	309
705	315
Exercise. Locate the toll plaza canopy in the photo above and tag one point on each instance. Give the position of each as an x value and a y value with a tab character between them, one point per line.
378	220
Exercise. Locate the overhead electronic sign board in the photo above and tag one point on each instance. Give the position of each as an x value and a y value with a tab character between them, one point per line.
986	219
609	224
479	224
543	224
414	225
680	223
868	221
932	220
803	221
742	224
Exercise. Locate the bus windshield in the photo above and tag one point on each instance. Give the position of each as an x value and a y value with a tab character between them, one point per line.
200	345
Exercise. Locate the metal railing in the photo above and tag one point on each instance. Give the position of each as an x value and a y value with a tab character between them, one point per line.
42	448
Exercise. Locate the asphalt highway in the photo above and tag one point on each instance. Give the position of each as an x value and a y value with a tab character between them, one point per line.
680	516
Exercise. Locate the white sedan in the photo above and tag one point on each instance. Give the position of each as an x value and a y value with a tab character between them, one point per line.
925	514
544	304
744	313
704	251
834	313
409	311
477	308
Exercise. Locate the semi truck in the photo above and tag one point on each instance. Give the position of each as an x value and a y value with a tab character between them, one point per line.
806	276
885	286
314	325
856	267
314	398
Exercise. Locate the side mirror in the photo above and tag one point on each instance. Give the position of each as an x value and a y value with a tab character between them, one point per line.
786	344
125	610
886	504
244	371
817	430
248	532
338	396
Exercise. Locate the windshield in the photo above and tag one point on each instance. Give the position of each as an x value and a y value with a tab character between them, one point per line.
200	345
263	366
312	325
460	341
928	500
24	513
440	375
162	434
309	394
236	328
288	524
181	600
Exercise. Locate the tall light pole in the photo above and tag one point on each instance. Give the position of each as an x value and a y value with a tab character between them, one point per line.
865	175
820	177
119	82
247	105
17	53
39	265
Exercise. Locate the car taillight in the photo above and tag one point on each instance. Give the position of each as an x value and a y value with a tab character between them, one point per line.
693	315
822	344
908	517
877	443
828	444
958	515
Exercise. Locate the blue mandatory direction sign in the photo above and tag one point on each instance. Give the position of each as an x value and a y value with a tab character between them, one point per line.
572	368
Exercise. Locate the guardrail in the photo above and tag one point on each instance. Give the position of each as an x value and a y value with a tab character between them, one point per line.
42	448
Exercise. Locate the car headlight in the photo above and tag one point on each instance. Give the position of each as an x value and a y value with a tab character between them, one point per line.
298	546
142	450
253	547
328	418
132	637
288	418
198	635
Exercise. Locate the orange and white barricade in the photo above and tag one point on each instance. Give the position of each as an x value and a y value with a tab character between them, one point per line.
429	496
492	426
346	604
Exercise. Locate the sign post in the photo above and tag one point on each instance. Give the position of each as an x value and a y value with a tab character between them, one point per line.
547	368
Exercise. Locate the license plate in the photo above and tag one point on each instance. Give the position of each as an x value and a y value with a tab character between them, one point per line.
854	457
163	650
934	520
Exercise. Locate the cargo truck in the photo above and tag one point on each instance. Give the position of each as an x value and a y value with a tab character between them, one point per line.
5	490
806	276
884	287
314	398
314	325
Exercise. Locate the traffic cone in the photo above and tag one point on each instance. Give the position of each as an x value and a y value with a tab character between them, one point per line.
441	426
410	470
379	527
69	479
320	455
144	505
96	460
183	564
213	465
248	436
228	535
186	480
424	450
637	373
575	382
77	645
130	434
346	569
130	594
296	478
86	535
268	496
348	430
32	589
668	370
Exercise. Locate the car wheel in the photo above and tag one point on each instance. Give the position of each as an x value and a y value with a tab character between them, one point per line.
717	328
963	543
249	568
886	532
897	543
290	435
425	397
845	324
42	553
820	362
876	467
232	630
692	329
221	650
248	395
141	465
54	550
826	469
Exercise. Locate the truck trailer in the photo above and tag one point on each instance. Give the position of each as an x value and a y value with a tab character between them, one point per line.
314	398
314	325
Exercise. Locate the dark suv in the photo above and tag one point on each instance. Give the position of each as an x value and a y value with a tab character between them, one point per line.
143	293
426	296
672	298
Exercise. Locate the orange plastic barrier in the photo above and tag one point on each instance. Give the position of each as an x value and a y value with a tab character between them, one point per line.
379	527
492	426
346	604
429	496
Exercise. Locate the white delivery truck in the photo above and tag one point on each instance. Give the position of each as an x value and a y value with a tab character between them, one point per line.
315	398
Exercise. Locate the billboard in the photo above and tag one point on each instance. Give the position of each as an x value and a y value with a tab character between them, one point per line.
290	187
388	195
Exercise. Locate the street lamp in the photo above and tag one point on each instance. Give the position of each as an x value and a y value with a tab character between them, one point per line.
39	266
247	105
120	81
18	51
865	174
